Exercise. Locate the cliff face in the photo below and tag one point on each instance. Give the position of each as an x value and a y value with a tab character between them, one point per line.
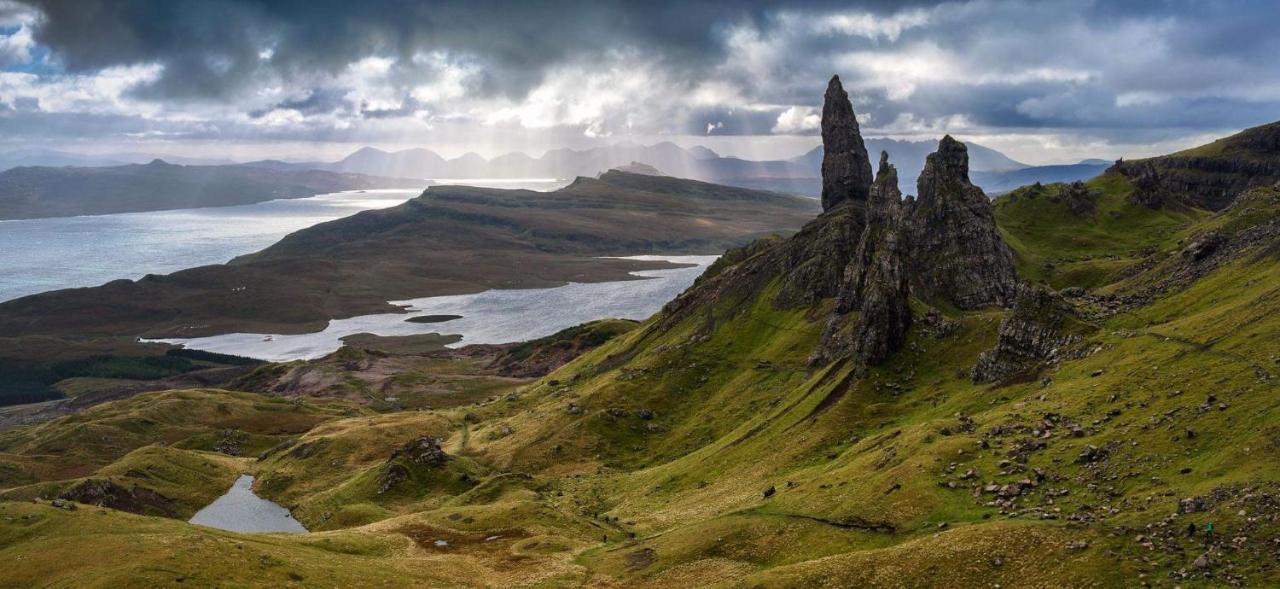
846	168
956	251
1210	176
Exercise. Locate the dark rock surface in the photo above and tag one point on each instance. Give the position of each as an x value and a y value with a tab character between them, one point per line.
872	253
875	284
1079	198
1032	334
814	260
105	493
424	451
846	167
957	254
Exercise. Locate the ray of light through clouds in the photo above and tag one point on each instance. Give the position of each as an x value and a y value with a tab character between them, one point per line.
1049	81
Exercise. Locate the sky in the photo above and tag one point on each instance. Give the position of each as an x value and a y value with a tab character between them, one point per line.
1044	82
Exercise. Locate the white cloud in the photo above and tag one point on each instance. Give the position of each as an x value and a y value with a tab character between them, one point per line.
859	24
798	119
15	48
101	93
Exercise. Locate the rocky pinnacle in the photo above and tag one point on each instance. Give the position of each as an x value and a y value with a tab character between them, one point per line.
957	254
875	284
846	168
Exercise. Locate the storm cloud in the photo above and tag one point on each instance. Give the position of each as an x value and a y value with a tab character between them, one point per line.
1040	75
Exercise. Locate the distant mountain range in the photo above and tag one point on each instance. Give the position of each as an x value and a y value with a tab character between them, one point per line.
992	170
41	191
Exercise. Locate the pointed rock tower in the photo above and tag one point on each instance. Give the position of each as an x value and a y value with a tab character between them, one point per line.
957	254
846	168
875	284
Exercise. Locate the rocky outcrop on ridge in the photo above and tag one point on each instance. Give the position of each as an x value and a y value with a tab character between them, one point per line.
846	167
106	493
1035	332
419	452
957	254
1209	177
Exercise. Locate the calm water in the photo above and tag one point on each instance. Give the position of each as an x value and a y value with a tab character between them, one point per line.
239	510
490	317
37	255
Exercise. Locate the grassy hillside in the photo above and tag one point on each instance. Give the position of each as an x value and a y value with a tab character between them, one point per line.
700	449
1085	246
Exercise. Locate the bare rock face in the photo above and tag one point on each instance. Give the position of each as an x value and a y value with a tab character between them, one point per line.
846	168
1034	333
1210	179
875	284
425	451
814	260
106	493
1147	190
957	254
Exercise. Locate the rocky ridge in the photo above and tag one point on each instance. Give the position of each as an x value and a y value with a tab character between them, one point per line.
874	284
1210	177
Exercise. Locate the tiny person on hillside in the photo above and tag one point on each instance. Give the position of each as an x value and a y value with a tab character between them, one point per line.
1208	533
1191	530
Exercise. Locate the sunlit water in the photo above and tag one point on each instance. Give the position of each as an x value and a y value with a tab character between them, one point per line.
37	255
490	317
239	510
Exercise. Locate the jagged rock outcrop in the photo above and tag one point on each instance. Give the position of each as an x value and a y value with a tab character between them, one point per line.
813	261
1078	197
423	452
1035	332
106	493
872	252
875	284
1146	184
846	167
956	252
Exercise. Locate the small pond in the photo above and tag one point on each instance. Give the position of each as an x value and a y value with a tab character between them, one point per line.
239	510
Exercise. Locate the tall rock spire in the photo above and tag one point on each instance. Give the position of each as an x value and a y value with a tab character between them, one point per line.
875	284
957	253
846	168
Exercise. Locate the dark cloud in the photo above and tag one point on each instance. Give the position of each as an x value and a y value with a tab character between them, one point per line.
212	48
1066	66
